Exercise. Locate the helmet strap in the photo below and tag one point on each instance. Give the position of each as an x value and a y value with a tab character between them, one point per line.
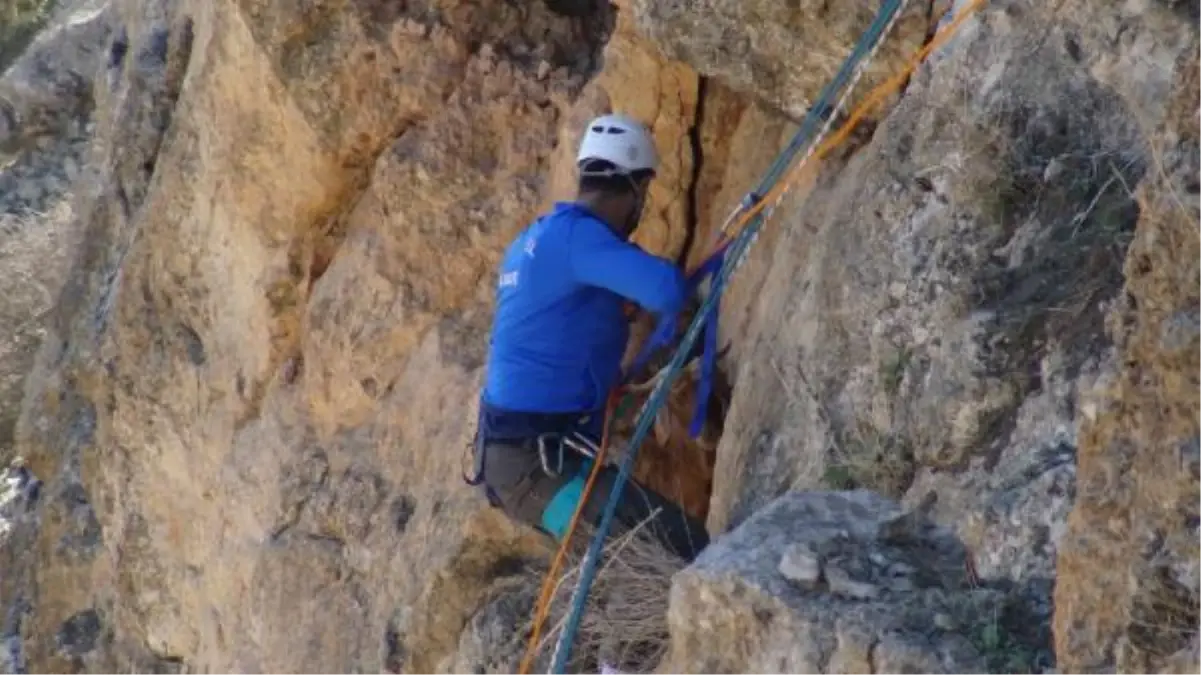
635	214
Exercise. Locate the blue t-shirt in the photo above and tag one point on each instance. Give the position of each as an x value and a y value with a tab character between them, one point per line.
560	332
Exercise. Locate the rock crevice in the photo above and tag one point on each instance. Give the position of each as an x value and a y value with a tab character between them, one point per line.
252	399
695	138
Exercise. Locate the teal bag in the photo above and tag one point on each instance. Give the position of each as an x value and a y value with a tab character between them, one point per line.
557	516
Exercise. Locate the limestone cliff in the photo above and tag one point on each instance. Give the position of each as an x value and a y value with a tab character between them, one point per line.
293	221
251	407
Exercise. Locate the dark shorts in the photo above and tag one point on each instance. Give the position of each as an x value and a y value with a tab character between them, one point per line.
517	483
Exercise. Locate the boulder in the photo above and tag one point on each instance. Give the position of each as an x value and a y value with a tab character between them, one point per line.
829	582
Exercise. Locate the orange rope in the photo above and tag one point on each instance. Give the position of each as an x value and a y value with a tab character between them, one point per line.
548	583
870	103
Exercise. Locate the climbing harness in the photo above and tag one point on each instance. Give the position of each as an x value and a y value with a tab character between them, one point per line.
737	233
574	440
499	425
548	582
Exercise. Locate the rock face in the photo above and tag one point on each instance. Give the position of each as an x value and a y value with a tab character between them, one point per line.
936	310
19	493
268	336
45	104
250	415
830	582
784	52
252	405
19	23
47	92
1132	537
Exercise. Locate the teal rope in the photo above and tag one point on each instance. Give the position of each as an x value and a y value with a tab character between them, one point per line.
812	119
658	395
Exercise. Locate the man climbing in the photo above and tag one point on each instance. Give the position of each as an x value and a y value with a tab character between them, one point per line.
558	338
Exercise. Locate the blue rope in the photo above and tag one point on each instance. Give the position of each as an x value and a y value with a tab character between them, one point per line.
665	333
665	330
731	259
709	358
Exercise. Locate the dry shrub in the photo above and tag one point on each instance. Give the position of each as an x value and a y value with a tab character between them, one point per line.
624	624
866	457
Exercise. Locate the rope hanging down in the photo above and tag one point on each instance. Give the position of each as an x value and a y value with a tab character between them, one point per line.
729	253
591	559
665	332
614	408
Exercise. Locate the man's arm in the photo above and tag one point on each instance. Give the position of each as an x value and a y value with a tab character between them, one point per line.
599	258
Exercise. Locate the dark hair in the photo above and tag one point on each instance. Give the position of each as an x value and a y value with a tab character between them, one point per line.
615	184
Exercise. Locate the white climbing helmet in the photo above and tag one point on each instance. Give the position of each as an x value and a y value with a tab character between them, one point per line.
620	140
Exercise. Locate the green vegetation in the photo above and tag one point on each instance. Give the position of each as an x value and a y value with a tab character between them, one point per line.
892	370
1004	651
20	20
869	458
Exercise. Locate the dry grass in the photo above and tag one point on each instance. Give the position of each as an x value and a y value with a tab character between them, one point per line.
861	456
625	623
866	457
1163	617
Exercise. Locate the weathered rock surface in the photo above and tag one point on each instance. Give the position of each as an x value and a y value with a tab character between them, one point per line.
33	256
252	406
936	310
45	108
47	92
492	640
20	22
1127	592
19	493
881	591
272	343
251	417
782	52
